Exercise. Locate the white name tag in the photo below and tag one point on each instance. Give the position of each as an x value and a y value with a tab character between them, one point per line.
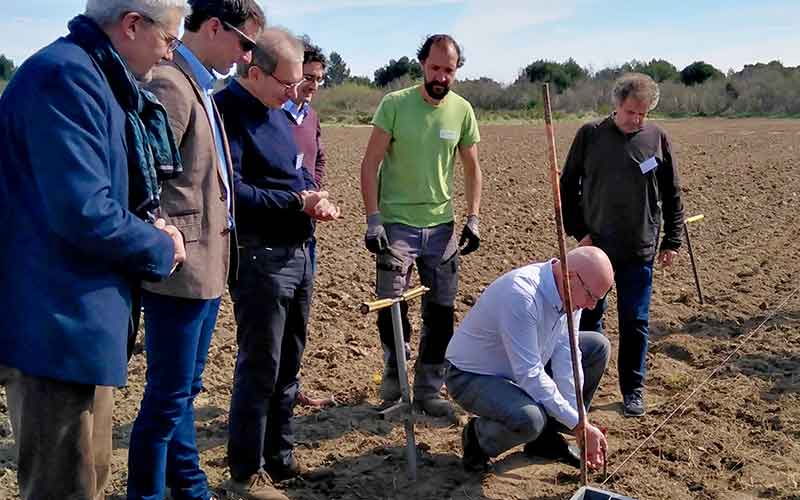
648	165
448	135
298	162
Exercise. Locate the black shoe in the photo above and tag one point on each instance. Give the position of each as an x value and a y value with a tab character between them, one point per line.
474	460
279	471
633	405
552	445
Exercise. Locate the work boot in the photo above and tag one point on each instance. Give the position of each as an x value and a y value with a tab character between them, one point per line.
474	458
279	471
390	382
552	445
428	382
257	487
633	404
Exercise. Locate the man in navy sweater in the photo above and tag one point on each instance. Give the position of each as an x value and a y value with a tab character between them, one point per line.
276	206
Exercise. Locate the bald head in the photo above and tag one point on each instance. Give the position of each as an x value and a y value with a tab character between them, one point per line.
591	276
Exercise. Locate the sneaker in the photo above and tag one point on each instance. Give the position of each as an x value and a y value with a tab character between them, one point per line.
633	405
257	487
552	445
281	472
474	459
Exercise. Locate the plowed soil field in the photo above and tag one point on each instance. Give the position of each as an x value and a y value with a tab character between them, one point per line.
737	438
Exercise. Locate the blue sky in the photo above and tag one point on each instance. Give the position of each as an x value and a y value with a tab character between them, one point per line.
498	36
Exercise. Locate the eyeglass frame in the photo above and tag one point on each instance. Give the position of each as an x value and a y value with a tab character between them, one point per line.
308	77
245	42
586	289
173	42
286	86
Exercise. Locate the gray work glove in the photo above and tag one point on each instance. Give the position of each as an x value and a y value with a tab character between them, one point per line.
375	238
470	235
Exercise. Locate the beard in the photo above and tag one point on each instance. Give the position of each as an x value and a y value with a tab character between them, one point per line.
436	90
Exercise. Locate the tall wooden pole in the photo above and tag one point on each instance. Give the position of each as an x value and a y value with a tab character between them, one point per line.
562	247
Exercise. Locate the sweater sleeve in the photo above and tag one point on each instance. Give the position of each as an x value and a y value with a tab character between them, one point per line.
570	185
322	158
671	202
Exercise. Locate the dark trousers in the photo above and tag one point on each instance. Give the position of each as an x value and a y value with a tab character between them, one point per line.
271	301
63	436
163	449
634	282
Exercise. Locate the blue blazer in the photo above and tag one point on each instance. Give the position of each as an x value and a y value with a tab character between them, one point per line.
70	250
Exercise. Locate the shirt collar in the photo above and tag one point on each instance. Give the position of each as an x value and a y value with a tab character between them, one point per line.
549	288
203	76
295	110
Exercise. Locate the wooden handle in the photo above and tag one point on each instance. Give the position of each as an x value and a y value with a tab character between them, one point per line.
414	293
377	305
696	218
368	307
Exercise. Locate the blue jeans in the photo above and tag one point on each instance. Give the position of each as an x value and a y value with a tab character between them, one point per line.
163	448
271	301
507	415
634	282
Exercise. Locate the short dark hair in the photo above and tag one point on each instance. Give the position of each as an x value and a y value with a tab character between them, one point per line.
312	53
425	50
233	12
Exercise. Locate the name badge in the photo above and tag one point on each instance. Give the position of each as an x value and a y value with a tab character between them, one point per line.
448	135
298	162
648	165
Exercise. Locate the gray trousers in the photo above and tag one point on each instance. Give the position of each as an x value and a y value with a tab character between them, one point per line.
63	434
507	415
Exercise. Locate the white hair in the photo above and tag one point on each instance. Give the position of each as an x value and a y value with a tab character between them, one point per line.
105	12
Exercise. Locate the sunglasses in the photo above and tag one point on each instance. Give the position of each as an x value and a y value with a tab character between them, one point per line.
245	41
173	42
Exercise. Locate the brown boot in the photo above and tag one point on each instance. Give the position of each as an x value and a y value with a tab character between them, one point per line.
257	487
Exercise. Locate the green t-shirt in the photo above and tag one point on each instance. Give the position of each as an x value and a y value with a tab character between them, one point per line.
416	176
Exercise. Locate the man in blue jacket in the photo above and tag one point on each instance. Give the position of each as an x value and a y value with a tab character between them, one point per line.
72	134
276	206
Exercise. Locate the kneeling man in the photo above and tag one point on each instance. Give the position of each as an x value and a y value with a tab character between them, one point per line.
510	362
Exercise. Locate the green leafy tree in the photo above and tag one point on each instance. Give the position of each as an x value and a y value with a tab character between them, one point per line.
7	68
337	71
562	75
360	80
395	69
698	72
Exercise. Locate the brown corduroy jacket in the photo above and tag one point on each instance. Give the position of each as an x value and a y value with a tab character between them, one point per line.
196	201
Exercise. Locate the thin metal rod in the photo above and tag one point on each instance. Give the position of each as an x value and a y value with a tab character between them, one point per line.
562	248
694	266
702	384
405	391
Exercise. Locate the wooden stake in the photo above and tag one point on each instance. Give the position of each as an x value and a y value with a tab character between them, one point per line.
562	247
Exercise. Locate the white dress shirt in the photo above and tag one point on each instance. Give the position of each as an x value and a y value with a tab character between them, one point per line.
517	326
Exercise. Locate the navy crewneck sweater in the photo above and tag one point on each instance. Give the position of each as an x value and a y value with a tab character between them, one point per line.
267	173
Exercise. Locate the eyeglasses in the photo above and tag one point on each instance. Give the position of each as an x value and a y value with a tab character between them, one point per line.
245	41
172	41
320	80
287	86
586	289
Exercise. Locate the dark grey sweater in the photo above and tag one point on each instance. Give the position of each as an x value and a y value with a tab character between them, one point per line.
606	194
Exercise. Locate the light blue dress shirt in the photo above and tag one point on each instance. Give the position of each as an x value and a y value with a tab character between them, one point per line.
206	80
298	113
